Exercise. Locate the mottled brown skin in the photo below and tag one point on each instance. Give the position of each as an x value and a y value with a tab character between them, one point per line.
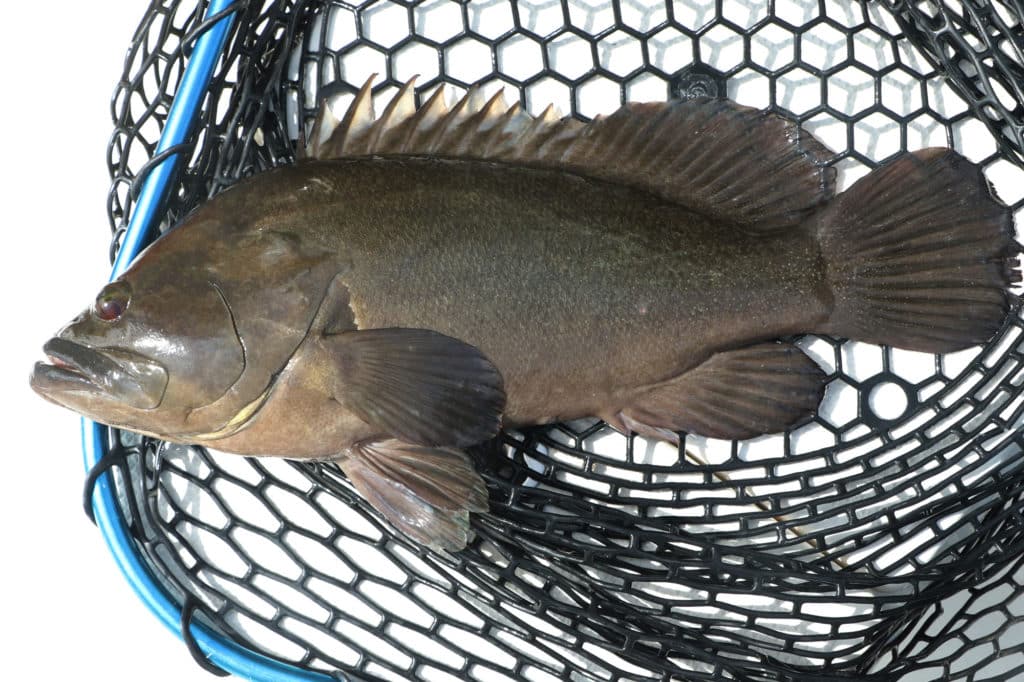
386	312
500	269
580	292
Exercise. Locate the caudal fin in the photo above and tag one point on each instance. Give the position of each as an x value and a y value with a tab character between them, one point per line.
919	255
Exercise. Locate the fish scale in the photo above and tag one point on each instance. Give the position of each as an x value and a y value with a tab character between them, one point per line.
433	275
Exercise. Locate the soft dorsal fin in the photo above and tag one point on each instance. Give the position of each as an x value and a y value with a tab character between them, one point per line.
749	167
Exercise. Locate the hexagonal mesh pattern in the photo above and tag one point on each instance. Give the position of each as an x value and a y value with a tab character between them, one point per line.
882	540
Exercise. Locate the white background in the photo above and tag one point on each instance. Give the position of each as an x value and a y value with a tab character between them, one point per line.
67	611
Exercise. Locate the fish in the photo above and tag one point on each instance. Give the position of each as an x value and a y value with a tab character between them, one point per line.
419	280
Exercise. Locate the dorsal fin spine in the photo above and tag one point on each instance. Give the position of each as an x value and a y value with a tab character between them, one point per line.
424	122
750	168
357	118
394	113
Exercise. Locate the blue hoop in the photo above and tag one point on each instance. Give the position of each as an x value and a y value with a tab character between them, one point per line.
223	653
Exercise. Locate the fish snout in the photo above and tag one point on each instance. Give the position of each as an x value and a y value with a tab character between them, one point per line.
67	330
113	373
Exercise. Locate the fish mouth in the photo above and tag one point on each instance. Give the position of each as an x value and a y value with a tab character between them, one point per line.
110	373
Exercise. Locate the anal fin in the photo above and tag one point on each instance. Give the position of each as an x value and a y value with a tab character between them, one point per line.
736	394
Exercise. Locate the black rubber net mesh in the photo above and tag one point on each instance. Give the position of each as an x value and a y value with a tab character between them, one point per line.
883	540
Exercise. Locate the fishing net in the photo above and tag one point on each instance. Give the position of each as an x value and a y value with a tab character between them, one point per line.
882	540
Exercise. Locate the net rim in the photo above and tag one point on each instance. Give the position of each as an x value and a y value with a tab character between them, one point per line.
231	657
127	538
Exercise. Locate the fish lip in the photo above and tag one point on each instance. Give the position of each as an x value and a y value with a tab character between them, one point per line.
71	358
120	375
66	367
47	378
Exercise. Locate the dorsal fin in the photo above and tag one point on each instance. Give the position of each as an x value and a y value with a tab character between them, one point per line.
749	167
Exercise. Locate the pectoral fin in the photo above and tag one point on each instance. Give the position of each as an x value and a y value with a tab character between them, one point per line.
417	385
427	493
737	394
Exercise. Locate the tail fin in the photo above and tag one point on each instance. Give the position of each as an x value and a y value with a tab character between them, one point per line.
919	255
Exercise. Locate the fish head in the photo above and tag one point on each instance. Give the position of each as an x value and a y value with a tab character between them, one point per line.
153	346
197	330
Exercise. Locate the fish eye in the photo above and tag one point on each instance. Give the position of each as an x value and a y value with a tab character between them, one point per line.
113	301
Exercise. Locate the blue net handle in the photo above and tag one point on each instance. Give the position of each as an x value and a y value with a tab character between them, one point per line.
187	102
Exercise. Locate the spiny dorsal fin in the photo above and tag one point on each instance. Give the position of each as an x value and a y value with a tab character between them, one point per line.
749	167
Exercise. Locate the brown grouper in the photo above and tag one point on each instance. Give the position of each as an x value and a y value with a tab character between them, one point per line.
422	279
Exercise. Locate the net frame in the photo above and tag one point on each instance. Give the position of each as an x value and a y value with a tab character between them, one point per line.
101	503
528	450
